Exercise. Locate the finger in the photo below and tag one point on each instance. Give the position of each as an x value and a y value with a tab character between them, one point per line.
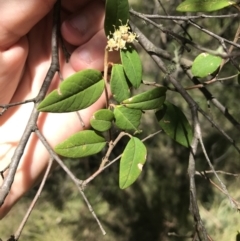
81	27
18	17
12	63
91	54
73	5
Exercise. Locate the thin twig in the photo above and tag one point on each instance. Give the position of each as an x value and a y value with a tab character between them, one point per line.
183	18
237	205
213	169
144	42
75	180
200	229
217	171
34	201
104	167
5	107
220	39
208	95
185	41
112	144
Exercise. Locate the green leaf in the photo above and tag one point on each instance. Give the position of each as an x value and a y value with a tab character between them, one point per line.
148	100
77	92
127	119
82	144
118	83
115	11
175	124
102	120
132	65
205	64
131	163
203	5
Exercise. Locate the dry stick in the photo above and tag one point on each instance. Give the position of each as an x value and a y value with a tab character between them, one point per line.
34	201
223	62
145	44
217	171
183	18
185	41
200	229
75	180
31	125
175	21
215	102
219	129
219	188
6	106
100	170
179	236
95	174
112	144
197	136
220	39
212	168
236	37
211	81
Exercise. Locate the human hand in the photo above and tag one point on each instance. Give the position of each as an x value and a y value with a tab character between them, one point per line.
25	44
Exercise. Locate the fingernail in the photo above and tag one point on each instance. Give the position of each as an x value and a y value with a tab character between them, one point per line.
85	56
80	23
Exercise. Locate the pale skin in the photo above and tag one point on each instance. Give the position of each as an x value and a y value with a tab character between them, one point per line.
25	50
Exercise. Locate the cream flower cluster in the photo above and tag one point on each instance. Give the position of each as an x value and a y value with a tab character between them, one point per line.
120	37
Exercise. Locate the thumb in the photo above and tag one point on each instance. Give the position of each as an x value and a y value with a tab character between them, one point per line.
18	17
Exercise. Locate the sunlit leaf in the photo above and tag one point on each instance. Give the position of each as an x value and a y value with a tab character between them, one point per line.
132	65
82	144
205	64
102	120
131	163
148	100
203	5
77	92
118	83
115	11
127	119
175	124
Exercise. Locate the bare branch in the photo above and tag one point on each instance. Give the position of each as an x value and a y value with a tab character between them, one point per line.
34	201
31	125
75	180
